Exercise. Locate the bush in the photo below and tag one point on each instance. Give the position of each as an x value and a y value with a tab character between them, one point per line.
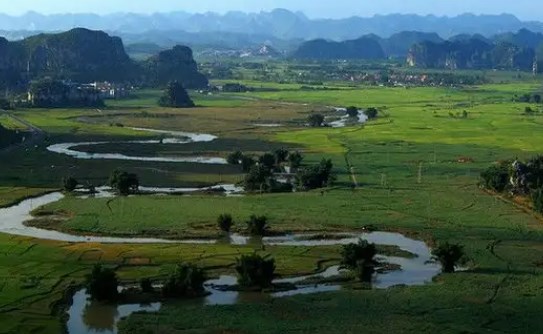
102	284
496	177
255	271
146	285
124	183
186	281
69	184
315	120
235	158
449	255
257	225
225	222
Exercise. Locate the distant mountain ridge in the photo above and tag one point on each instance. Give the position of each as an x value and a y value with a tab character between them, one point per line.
279	23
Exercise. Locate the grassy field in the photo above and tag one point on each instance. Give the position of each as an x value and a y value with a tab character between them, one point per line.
416	170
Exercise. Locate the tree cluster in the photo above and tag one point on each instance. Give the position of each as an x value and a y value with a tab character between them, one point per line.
102	284
360	258
315	176
528	98
124	183
517	177
187	280
260	170
255	271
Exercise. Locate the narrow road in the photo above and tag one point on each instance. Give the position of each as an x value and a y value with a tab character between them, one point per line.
35	134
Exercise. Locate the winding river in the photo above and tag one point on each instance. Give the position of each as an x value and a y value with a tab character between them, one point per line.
88	317
176	137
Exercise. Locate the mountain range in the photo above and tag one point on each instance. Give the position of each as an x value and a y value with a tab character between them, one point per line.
84	55
279	24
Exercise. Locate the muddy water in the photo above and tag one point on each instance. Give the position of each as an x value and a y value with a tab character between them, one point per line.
177	137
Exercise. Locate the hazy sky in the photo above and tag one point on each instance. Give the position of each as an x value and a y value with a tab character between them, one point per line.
525	9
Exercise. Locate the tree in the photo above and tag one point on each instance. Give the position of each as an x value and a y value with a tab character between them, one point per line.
537	200
69	184
257	179
225	222
315	120
102	284
187	280
175	96
246	163
537	98
124	183
496	178
352	111
295	159
146	285
281	155
267	160
235	158
360	257
257	225
371	112
449	255
255	271
316	176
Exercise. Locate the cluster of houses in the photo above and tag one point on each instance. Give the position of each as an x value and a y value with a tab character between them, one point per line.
50	93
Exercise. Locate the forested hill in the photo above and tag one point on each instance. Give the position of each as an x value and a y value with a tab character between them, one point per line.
83	55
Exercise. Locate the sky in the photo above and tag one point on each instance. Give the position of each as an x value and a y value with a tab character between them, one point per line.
524	9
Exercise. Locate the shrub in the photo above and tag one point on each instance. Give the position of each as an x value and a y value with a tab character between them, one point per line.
449	255
124	183
257	225
102	284
146	285
187	280
225	222
315	120
255	271
69	184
